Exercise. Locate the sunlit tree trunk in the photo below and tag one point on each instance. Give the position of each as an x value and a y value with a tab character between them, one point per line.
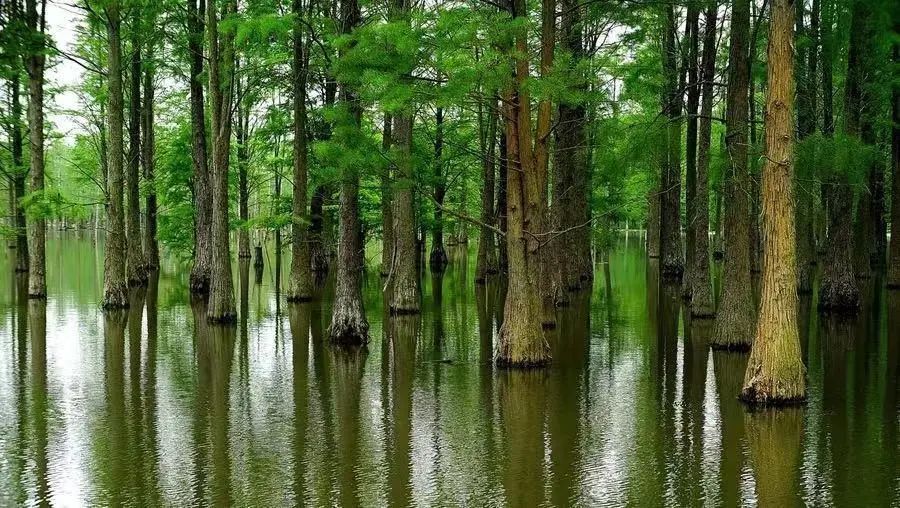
199	280
301	283
134	261
348	320
405	296
387	214
221	74
775	371
736	316
34	66
701	291
115	284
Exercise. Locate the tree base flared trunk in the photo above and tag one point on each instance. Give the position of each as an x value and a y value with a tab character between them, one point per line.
348	328
839	297
438	260
199	281
114	297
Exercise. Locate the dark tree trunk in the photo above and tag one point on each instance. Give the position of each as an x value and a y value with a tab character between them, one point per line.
301	283
701	291
487	249
242	135
693	102
571	176
34	66
348	321
404	281
672	257
318	254
502	186
893	275
19	173
221	74
151	245
438	257
806	124
775	371
387	214
200	273
736	316
134	262
115	284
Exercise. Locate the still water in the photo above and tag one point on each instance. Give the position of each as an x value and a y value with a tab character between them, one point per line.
154	407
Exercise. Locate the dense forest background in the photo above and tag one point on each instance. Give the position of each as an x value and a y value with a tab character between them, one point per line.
384	130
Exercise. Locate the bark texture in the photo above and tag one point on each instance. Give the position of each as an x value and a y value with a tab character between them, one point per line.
487	264
19	171
115	284
34	67
701	290
893	275
221	74
134	260
775	371
672	257
405	295
736	316
148	149
348	321
387	214
300	287
199	280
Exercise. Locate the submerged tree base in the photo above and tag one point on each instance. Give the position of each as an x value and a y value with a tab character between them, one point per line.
735	347
227	318
114	297
199	283
348	330
841	298
758	395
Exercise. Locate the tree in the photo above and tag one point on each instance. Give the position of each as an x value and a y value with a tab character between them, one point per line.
115	283
35	59
148	149
775	371
672	257
736	318
348	321
487	263
692	30
893	277
134	262
200	272
806	63
221	75
701	291
301	284
438	257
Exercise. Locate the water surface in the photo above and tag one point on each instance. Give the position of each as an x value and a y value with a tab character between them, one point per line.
152	406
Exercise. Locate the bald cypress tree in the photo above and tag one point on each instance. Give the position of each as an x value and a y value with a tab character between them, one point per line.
775	371
35	61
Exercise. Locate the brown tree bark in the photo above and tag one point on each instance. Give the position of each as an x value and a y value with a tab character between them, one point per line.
775	371
806	125
300	287
672	257
319	257
151	245
487	263
838	291
200	272
736	316
502	186
221	74
348	321
521	339
115	283
34	66
701	290
134	261
405	294
387	214
241	136
571	172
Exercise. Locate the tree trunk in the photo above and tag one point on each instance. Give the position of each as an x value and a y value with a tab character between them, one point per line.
200	273
736	316
242	135
571	171
221	74
348	321
806	124
115	284
893	275
672	258
387	215
693	91
134	262
438	257
300	287
405	295
19	173
701	291
500	211
775	371
486	265
151	245
521	340
34	66
318	255
838	292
